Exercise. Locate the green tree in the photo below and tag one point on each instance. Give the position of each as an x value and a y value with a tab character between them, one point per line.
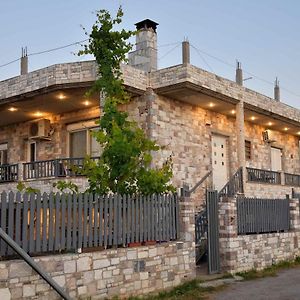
124	165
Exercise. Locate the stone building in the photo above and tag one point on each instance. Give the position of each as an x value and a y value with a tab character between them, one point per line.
205	122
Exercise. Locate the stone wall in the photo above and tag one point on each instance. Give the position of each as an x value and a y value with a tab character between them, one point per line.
260	190
67	73
122	271
245	252
46	185
185	131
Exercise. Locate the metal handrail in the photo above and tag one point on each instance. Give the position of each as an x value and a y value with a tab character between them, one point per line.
185	191
10	242
234	185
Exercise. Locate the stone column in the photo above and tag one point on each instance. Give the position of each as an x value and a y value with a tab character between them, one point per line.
240	137
150	98
187	220
228	234
187	231
294	214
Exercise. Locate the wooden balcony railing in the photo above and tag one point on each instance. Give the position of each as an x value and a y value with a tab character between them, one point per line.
263	176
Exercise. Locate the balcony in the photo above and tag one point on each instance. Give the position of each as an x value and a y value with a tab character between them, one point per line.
271	177
53	168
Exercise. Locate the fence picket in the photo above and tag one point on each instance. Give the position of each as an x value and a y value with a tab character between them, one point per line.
10	219
110	220
25	223
105	229
45	223
129	220
90	220
96	220
38	228
115	219
141	218
124	224
120	220
51	218
57	222
69	221
18	219
63	222
85	216
101	215
76	221
3	221
80	220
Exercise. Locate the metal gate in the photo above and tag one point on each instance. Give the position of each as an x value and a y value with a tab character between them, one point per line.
207	233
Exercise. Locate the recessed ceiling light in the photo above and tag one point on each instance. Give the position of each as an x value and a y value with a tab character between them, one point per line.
61	96
285	129
211	104
86	103
270	124
298	132
233	112
38	114
12	108
253	118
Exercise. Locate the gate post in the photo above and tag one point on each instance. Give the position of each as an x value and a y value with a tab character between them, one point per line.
187	230
186	220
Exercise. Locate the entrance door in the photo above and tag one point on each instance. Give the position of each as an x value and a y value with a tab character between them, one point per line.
219	161
276	159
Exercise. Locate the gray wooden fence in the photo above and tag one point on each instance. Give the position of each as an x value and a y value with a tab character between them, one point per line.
66	222
262	215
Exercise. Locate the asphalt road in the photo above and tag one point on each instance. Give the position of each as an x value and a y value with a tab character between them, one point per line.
286	286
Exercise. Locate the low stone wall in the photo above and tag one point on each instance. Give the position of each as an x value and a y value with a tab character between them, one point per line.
46	185
260	190
245	252
123	272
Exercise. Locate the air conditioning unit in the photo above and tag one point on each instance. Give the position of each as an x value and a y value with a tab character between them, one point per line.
268	136
40	129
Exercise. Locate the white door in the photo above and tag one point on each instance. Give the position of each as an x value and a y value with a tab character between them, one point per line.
219	161
276	159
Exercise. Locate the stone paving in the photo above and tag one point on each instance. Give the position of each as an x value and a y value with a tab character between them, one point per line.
285	286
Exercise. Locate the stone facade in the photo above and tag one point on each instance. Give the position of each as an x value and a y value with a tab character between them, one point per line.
256	251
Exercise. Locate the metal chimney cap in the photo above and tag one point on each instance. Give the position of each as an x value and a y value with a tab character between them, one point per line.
146	24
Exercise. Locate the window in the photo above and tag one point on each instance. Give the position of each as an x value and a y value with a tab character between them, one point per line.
83	143
248	150
78	143
3	154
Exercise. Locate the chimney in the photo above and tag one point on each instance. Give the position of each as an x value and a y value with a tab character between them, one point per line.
185	52
277	90
24	61
239	73
145	55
